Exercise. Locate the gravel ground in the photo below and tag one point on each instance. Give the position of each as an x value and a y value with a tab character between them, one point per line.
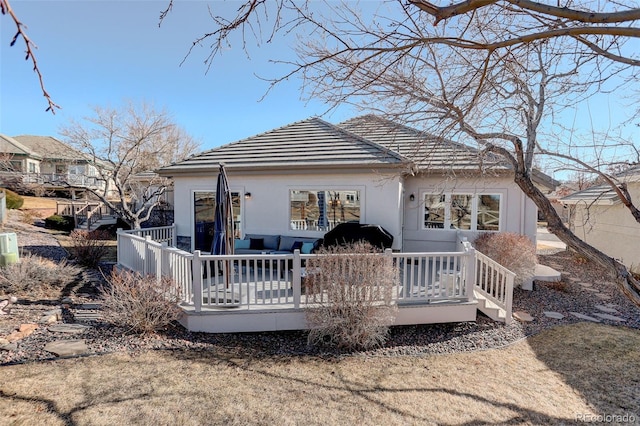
582	288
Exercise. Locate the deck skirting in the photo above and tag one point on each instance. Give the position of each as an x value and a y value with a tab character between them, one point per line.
232	320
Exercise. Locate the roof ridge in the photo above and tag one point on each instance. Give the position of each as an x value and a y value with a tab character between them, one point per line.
385	150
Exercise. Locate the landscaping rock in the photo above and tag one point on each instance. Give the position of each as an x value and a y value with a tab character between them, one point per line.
609	317
22	332
522	316
554	315
9	347
68	328
584	317
3	341
67	347
606	309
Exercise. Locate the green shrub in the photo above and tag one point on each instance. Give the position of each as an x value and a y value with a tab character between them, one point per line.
35	275
14	201
350	296
141	304
89	247
513	251
61	223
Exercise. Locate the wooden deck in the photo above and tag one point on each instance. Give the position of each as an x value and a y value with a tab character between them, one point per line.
247	293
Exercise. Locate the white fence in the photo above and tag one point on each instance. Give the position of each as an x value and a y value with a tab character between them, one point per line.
278	280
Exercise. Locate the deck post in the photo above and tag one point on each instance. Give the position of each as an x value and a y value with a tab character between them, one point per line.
161	261
296	280
388	257
470	278
174	237
196	281
118	248
145	260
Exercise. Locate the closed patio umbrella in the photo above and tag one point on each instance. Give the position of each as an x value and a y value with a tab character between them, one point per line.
223	225
223	220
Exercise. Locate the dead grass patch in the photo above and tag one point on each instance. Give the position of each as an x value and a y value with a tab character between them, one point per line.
545	380
38	203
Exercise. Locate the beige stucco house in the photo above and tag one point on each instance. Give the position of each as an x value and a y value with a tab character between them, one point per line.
599	218
304	178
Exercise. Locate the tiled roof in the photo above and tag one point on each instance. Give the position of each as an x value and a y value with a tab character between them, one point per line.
363	142
427	152
50	148
304	144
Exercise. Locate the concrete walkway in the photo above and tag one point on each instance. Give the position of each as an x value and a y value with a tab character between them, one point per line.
546	240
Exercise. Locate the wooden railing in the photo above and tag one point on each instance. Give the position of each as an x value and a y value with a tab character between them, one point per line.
84	213
252	281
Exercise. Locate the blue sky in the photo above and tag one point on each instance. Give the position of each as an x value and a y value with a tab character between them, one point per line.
101	53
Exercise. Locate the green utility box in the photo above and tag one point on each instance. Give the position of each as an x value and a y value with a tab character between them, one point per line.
8	248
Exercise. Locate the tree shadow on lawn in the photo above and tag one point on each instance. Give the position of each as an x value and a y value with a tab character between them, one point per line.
601	362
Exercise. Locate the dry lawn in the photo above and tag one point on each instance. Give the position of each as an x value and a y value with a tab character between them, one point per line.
548	379
38	203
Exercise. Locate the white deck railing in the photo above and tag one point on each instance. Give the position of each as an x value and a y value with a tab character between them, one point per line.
160	234
495	282
277	281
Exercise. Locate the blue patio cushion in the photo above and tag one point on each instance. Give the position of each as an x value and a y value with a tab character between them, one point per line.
242	244
256	243
297	246
307	248
287	242
270	241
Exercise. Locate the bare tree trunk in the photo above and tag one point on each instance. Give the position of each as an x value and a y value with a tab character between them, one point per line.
625	280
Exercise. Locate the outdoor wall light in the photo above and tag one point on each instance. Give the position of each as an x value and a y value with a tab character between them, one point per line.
412	197
247	195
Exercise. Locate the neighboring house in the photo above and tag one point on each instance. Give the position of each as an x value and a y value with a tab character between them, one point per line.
44	160
303	178
599	218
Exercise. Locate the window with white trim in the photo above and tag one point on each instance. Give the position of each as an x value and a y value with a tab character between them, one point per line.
322	210
471	212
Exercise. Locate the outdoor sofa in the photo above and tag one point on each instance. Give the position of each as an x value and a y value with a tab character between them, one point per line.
275	244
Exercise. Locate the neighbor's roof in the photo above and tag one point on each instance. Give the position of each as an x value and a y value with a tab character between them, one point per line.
50	148
602	194
12	146
311	143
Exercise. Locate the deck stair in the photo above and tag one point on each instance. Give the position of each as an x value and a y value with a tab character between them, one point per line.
88	215
489	308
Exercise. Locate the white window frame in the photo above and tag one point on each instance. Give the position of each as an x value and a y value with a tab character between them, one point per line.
359	198
474	211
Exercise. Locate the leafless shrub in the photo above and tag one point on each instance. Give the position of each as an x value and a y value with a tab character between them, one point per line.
35	275
29	216
89	247
142	304
561	286
513	251
351	289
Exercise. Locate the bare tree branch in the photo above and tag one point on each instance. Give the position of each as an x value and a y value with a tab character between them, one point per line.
468	6
5	8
